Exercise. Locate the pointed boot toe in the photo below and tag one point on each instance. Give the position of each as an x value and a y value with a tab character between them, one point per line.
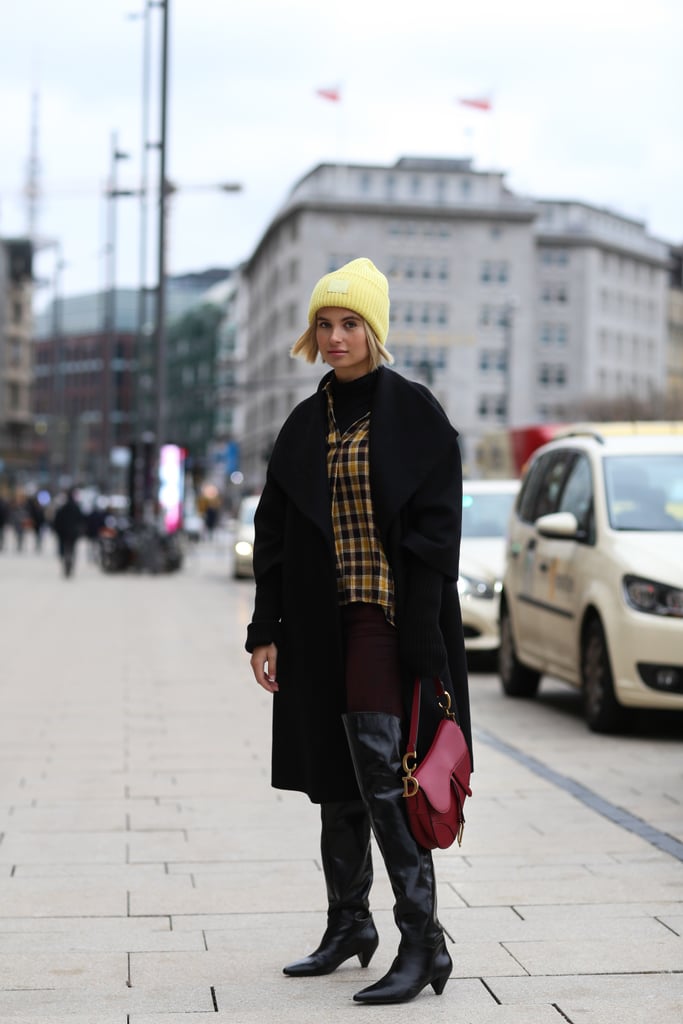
352	937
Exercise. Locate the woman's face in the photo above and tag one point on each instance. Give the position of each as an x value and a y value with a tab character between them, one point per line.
342	342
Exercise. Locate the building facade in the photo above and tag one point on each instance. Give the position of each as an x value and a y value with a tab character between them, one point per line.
16	422
674	371
512	310
601	311
94	387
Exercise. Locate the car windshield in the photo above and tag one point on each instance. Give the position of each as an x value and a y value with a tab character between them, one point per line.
486	515
645	492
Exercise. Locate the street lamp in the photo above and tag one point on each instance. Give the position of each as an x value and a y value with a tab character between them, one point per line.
109	332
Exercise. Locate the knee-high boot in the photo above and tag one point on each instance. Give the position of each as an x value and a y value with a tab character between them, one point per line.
347	867
375	742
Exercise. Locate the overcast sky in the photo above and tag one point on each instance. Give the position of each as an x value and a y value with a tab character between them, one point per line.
586	103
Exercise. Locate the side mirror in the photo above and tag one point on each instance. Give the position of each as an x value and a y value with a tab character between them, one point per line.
563	525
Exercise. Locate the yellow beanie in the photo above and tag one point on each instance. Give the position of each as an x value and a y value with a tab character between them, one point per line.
359	286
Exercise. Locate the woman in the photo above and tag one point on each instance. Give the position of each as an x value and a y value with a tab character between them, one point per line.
356	562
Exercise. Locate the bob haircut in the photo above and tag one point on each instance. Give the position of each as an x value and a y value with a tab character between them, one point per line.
307	347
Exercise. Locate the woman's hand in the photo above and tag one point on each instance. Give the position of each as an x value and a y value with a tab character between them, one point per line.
264	666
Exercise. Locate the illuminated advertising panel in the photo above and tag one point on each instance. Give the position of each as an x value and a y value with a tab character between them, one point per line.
171	486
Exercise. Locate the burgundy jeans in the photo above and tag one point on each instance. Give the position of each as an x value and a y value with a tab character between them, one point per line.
373	677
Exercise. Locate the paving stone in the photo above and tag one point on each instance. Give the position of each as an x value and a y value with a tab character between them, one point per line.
85	970
591	956
591	991
47	897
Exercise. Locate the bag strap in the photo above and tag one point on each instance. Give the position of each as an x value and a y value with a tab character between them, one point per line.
441	692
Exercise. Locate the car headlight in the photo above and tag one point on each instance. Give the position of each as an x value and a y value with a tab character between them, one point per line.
243	548
652	597
473	586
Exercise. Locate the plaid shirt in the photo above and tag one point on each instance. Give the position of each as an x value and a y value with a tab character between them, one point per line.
363	573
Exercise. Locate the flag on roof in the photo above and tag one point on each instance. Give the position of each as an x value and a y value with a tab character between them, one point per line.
333	94
477	102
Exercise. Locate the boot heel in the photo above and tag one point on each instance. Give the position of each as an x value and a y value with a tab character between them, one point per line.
366	955
439	984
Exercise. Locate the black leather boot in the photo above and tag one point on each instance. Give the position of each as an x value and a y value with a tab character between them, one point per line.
375	741
347	866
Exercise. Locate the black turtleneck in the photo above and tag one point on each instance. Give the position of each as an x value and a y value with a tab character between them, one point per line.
352	399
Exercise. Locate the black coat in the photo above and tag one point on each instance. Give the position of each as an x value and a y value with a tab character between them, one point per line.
416	484
69	521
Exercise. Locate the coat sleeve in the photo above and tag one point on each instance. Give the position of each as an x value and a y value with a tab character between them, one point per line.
433	515
269	520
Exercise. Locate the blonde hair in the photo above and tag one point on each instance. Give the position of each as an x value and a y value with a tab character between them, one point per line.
307	347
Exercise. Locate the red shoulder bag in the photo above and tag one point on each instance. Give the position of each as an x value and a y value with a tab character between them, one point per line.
435	790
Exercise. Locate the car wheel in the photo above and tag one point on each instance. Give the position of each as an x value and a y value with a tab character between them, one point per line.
602	711
517	679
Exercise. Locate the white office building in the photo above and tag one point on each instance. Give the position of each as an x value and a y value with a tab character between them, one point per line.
510	309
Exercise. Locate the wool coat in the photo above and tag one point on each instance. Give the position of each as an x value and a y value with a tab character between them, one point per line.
416	486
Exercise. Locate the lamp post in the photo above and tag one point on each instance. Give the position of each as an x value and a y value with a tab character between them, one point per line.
109	332
160	312
57	454
148	442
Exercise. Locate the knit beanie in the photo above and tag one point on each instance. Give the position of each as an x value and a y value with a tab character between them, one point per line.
359	286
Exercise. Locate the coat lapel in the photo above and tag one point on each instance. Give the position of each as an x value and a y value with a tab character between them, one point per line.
401	425
299	463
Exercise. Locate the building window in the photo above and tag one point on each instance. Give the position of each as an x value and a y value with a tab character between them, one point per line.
485	272
415	185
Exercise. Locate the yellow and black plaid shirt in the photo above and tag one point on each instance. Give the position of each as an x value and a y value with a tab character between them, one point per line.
363	573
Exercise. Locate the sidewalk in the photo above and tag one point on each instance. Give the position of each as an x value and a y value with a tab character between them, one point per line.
150	875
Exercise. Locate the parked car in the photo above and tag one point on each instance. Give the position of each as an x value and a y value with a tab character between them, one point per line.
593	583
486	507
243	544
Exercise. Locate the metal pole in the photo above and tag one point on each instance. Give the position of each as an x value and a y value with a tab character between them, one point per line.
109	332
161	252
141	342
57	440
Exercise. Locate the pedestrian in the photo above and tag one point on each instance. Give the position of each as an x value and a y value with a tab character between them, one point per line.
69	525
18	519
36	515
357	538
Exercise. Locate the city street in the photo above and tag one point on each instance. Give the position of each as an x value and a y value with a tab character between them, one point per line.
150	875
